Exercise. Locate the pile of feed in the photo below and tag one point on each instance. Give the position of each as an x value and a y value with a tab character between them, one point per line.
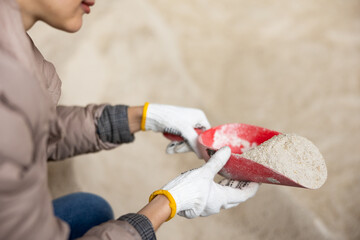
293	156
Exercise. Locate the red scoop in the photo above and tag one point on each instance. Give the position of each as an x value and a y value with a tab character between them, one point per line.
239	137
178	138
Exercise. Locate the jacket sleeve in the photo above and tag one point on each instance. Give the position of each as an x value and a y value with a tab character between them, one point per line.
88	129
77	132
127	227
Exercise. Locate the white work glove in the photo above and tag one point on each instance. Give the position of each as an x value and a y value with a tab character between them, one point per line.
196	194
175	120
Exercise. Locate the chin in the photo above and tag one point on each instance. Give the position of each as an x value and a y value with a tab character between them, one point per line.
73	26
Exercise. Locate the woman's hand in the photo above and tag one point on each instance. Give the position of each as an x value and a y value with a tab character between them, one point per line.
194	193
175	120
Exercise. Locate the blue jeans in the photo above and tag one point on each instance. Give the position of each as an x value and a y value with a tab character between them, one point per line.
82	211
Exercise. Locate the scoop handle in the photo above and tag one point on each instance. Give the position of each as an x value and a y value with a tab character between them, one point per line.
178	138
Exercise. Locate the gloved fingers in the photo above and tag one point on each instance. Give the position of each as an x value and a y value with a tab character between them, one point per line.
217	161
178	147
231	205
191	136
181	214
188	213
238	195
202	122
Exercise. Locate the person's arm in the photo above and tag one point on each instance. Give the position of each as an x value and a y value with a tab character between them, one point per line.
192	194
141	225
93	128
134	117
157	211
76	132
156	117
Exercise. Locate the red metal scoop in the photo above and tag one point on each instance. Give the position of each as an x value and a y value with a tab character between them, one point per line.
239	137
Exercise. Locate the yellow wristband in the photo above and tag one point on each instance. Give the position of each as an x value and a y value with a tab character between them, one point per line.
172	203
143	119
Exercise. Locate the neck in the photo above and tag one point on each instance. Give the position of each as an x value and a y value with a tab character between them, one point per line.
28	18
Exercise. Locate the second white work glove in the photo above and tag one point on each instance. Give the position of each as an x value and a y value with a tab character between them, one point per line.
196	194
175	120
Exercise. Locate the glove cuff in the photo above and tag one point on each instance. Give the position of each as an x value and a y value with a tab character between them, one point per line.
143	119
172	203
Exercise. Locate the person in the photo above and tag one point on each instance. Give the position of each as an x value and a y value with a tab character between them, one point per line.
34	129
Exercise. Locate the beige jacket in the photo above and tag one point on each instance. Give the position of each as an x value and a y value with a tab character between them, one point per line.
32	130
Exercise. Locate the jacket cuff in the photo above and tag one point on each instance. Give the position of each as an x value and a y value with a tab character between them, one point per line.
142	224
113	125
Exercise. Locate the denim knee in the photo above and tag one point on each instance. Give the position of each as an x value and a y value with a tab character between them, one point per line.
82	211
96	203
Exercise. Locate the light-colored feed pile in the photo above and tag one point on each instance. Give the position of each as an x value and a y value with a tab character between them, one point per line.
293	156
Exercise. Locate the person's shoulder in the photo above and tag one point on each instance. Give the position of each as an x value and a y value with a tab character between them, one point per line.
10	68
21	89
17	83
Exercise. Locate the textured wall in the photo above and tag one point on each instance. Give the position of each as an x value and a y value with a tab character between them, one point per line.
291	66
